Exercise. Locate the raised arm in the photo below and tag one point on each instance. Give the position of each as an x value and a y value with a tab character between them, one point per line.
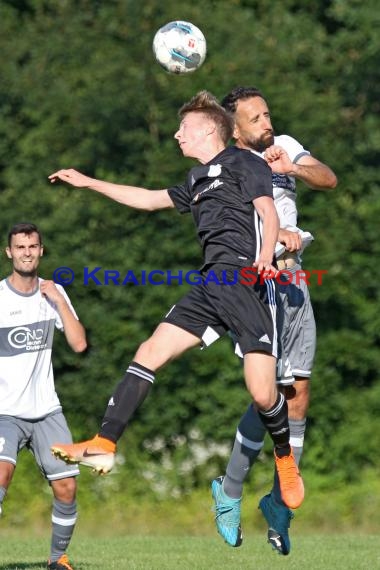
308	169
132	196
73	329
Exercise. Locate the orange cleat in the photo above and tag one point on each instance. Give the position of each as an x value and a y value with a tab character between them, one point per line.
291	484
61	564
97	453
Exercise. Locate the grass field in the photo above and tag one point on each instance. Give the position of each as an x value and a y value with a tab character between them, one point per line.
310	552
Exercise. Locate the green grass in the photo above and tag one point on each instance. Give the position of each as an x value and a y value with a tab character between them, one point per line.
310	552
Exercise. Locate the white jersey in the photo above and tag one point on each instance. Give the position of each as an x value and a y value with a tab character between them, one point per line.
284	186
284	192
27	323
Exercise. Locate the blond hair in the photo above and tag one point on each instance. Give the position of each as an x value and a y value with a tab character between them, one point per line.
206	103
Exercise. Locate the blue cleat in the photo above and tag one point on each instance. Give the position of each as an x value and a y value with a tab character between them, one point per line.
227	514
278	518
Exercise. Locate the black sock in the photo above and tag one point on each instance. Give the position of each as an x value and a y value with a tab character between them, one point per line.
127	397
277	424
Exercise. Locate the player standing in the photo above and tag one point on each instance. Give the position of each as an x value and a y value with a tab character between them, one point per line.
30	412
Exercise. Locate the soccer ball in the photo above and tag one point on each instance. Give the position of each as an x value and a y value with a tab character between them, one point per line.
180	47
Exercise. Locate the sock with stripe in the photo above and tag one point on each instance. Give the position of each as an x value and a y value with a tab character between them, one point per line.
277	424
64	516
248	442
127	397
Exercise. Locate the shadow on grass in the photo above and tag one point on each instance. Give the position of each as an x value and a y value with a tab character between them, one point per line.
23	565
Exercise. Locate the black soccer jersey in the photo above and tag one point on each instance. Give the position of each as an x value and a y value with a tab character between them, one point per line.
219	195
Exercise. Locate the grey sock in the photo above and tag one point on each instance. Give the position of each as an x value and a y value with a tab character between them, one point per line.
3	492
297	432
64	516
249	440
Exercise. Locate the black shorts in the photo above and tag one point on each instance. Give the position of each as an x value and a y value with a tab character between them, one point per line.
213	307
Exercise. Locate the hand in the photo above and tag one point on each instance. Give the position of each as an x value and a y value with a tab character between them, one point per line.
48	289
265	268
278	159
291	240
72	177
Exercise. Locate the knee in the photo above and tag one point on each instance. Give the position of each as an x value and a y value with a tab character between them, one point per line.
6	473
65	489
145	349
146	354
298	400
265	401
153	354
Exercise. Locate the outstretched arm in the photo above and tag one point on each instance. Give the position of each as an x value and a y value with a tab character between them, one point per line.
132	196
308	169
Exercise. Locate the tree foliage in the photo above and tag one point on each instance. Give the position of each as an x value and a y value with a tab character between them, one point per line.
80	88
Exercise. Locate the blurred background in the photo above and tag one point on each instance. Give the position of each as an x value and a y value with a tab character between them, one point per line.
79	87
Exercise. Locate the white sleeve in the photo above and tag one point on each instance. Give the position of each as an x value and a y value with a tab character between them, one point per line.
58	321
294	149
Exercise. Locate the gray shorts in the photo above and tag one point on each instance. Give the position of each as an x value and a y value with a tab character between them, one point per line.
37	436
299	331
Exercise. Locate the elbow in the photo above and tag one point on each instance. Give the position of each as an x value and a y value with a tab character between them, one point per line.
80	345
329	183
333	182
144	207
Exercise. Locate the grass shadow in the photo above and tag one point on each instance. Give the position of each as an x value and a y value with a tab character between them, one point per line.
23	565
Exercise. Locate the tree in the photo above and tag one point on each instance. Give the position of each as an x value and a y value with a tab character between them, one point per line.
80	88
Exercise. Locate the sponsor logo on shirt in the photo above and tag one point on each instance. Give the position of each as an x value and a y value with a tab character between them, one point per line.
212	186
283	181
27	338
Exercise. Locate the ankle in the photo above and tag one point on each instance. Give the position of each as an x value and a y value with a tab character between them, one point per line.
283	450
105	443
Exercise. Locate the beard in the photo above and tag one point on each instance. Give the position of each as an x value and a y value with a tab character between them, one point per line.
260	144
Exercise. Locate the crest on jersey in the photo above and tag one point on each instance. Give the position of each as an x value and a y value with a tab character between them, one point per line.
215	170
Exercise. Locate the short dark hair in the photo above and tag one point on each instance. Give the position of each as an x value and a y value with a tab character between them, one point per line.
229	102
204	102
24	228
